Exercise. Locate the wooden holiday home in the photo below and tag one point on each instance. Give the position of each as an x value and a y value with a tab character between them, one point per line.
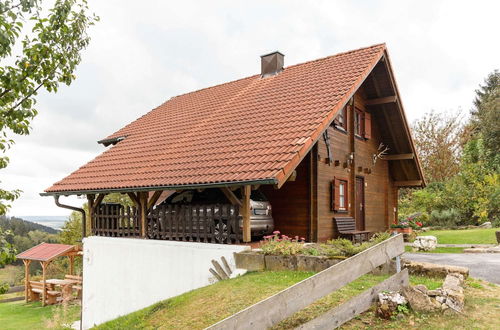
323	140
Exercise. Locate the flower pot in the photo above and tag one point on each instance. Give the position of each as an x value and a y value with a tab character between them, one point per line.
408	230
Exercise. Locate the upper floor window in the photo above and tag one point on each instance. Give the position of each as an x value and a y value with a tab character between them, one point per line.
341	119
359	124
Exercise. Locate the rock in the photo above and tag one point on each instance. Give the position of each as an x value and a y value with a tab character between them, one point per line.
314	263
434	293
425	243
433	270
454	291
249	260
486	224
388	302
419	301
277	263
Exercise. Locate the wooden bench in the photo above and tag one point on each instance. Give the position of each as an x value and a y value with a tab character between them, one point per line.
77	286
346	227
36	292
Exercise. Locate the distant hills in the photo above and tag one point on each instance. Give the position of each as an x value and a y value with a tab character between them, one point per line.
22	227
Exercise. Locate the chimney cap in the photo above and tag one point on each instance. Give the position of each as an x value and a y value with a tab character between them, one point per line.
272	53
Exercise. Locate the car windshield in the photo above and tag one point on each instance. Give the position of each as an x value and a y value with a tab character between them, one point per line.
256	196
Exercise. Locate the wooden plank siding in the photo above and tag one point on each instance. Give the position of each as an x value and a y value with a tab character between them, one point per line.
379	191
290	203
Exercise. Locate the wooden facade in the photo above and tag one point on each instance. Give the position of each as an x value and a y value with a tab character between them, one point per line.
353	168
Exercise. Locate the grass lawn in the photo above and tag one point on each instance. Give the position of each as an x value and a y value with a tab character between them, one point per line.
438	250
214	303
482	310
465	236
19	315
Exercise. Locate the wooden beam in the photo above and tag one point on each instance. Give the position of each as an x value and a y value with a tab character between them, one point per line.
71	265
98	200
245	212
90	216
26	279
334	318
231	196
268	312
399	156
381	100
152	201
44	284
134	198
414	183
352	169
143	202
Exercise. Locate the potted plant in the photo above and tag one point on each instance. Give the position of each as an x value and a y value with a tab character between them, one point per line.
406	225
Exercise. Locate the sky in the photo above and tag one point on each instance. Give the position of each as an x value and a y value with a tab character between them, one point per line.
142	53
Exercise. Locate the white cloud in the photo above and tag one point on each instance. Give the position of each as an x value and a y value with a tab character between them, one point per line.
143	53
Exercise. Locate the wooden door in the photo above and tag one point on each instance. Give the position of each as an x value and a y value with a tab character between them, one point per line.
360	203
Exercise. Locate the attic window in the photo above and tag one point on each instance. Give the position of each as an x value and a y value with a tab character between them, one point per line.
341	120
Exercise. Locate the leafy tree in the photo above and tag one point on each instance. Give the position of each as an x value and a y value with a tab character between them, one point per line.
7	251
49	43
439	139
71	232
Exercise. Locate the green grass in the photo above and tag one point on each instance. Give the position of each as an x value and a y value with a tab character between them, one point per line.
203	307
200	308
438	250
465	236
19	315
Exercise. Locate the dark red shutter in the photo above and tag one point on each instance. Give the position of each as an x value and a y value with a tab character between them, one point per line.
368	125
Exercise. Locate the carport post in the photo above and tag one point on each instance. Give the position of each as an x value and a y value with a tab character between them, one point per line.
245	212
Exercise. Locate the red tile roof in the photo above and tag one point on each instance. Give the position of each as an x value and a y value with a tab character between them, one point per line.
251	129
46	251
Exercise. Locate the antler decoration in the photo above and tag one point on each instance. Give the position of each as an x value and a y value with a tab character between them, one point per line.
381	151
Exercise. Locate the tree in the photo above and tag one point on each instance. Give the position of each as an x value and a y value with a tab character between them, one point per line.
50	43
485	119
439	139
71	232
7	251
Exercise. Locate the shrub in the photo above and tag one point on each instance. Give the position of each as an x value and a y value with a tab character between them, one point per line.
4	287
277	244
445	218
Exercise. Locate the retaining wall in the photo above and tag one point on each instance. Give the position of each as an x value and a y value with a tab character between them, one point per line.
122	275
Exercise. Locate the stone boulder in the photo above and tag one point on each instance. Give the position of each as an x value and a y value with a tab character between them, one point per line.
425	243
419	300
388	302
486	224
433	270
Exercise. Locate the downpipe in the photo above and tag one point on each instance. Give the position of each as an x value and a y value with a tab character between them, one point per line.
77	209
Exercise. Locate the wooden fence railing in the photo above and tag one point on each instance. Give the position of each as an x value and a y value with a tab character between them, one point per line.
284	304
215	223
115	220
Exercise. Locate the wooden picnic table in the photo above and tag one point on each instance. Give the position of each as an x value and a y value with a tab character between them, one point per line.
66	286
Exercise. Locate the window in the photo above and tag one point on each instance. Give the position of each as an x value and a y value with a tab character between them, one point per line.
359	124
340	197
341	119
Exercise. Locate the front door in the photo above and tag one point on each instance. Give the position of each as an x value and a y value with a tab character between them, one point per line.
360	203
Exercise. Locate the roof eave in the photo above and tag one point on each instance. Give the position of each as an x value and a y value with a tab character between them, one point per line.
271	181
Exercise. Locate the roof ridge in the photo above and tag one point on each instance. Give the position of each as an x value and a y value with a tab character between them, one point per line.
286	67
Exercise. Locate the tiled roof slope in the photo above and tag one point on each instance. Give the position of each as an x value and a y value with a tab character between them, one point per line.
246	130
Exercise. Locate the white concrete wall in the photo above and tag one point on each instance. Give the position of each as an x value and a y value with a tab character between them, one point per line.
122	275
